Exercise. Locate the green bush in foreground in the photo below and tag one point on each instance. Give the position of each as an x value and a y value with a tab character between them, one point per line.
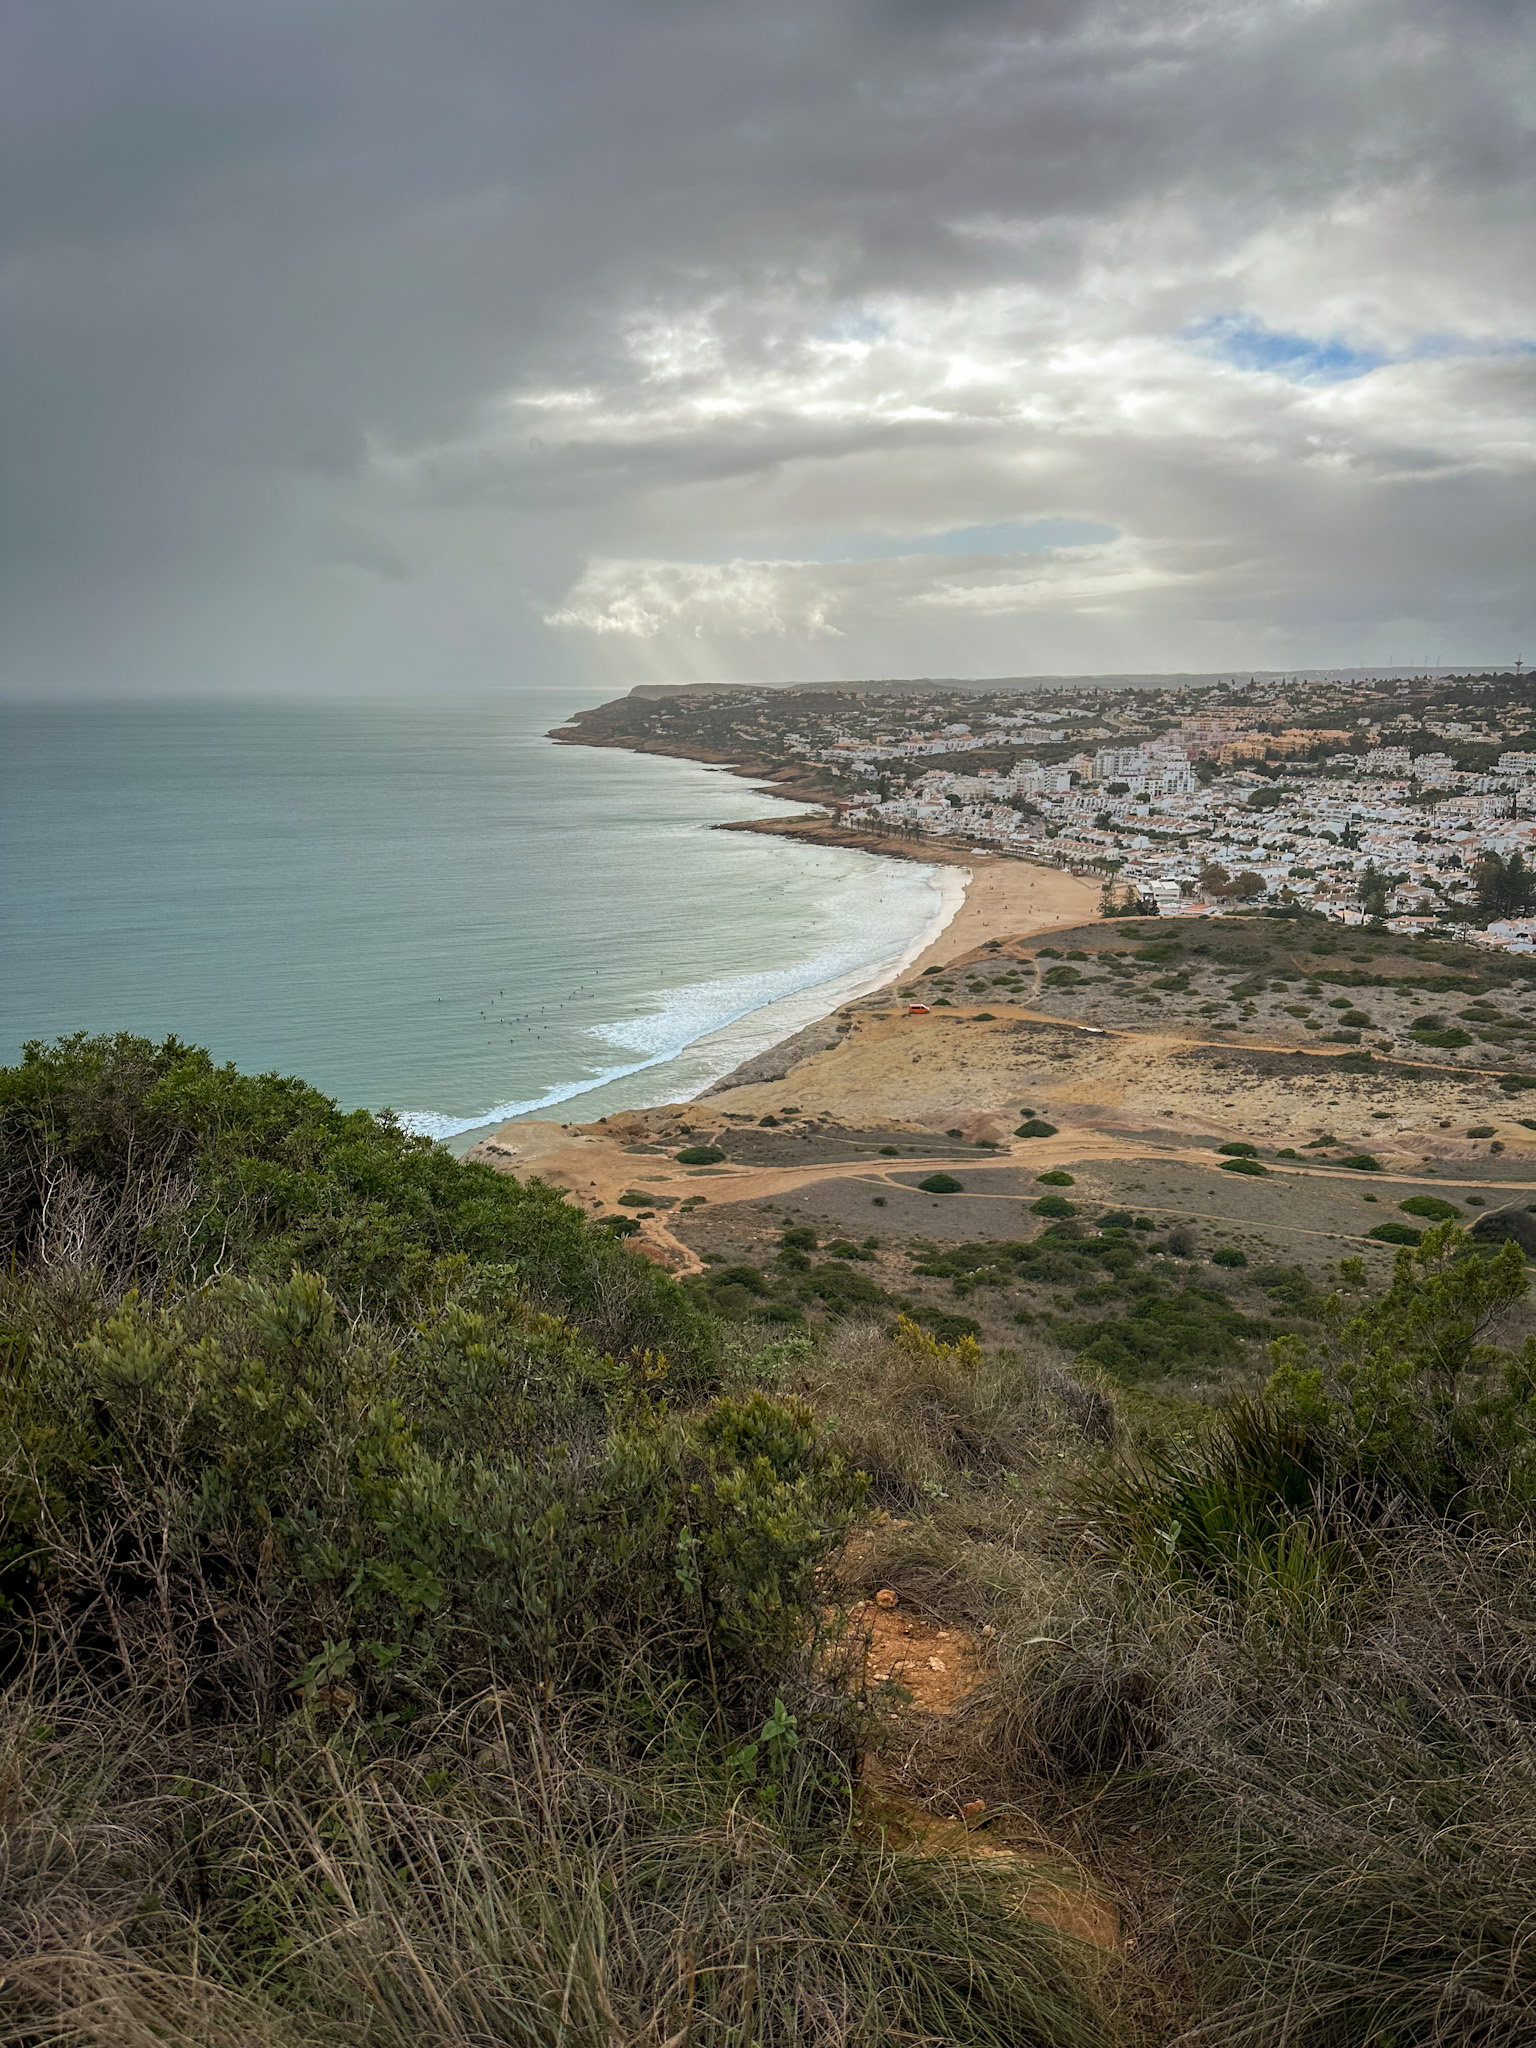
152	1164
408	1664
480	1500
941	1184
1404	1400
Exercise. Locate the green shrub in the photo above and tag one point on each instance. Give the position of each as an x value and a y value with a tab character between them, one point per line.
1248	1166
1194	1331
1056	1178
179	1168
1433	1208
1035	1127
842	1291
1053	1205
1361	1162
396	1519
941	1184
1229	1255
1396	1233
946	1325
736	1289
700	1155
1513	1225
1238	1148
1409	1393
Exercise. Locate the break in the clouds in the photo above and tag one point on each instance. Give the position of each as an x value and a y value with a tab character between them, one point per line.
355	344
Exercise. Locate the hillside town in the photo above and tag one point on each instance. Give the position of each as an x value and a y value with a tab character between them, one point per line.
1404	802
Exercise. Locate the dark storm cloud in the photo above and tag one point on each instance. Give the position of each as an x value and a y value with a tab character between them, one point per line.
337	333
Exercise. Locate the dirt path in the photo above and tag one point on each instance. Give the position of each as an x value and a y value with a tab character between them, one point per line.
937	1669
597	1171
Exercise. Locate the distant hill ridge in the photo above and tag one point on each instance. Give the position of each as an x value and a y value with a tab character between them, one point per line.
983	685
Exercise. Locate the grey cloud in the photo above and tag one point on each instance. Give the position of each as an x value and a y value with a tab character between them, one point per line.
273	274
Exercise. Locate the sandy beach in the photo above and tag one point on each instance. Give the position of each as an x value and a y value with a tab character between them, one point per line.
1007	899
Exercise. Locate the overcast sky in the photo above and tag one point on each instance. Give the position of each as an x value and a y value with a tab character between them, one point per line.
423	345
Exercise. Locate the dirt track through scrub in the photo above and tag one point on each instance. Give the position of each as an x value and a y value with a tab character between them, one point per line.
939	1668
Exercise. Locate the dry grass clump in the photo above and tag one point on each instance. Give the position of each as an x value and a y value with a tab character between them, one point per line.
515	1878
1324	1825
1365	1865
930	1421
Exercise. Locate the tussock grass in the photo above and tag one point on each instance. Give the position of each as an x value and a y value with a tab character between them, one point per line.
515	1878
1297	1648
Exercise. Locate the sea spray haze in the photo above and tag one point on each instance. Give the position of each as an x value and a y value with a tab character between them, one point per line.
433	908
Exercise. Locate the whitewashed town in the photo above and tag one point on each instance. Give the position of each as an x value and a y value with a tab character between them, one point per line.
1414	807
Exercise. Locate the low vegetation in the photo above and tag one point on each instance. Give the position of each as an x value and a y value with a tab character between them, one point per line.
408	1635
422	1621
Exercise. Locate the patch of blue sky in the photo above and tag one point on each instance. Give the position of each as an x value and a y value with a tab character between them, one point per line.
855	323
1329	359
1304	358
1430	347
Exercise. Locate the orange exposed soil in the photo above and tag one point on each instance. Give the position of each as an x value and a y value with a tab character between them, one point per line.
939	1667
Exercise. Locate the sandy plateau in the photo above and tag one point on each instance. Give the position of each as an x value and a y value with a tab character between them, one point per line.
872	1099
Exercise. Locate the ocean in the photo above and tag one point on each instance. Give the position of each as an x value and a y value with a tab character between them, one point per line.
429	907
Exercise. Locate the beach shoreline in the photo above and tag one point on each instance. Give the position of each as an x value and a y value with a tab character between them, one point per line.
982	897
951	879
992	894
983	894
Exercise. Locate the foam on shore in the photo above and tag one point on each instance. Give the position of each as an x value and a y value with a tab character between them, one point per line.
698	1033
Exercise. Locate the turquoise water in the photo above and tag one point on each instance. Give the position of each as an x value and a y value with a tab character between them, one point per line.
429	907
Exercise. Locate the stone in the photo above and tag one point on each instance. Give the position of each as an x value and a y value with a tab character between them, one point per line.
886	1597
